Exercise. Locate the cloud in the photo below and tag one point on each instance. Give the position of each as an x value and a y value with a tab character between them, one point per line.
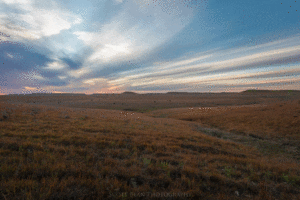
94	81
14	56
56	65
263	64
16	2
31	77
30	88
32	20
9	55
118	1
62	77
78	72
132	34
269	53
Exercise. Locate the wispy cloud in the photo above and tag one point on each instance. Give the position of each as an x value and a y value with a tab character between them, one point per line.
56	65
118	1
209	69
132	34
32	20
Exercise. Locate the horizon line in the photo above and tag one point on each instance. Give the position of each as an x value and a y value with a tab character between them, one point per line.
136	93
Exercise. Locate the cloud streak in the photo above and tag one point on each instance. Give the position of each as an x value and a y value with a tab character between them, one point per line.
197	68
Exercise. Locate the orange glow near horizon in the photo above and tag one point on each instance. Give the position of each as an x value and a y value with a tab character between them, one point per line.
1	92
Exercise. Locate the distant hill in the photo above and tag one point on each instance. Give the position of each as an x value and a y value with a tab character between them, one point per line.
177	92
130	93
271	91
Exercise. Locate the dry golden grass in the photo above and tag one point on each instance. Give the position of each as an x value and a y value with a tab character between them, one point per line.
272	128
274	120
67	153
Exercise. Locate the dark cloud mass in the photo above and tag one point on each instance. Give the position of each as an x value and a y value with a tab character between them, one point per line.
19	57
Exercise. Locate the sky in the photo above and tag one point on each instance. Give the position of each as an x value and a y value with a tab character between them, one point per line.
148	46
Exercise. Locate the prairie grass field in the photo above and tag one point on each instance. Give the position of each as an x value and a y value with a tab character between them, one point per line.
151	146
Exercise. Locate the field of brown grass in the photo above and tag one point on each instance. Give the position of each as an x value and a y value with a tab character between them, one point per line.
160	146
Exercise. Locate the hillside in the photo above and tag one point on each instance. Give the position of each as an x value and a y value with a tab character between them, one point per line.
219	152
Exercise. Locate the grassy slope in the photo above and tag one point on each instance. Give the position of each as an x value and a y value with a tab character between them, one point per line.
48	152
274	129
275	120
